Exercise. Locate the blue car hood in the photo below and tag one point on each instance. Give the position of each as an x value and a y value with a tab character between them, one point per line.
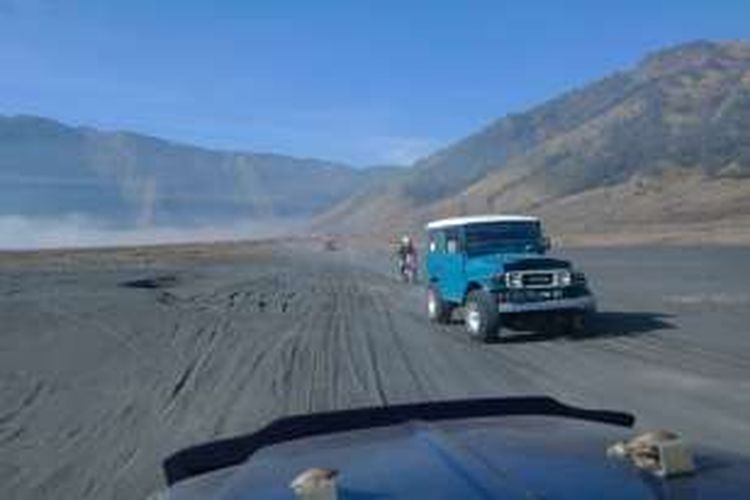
510	457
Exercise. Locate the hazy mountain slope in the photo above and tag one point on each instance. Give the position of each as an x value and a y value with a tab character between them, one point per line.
47	168
451	170
681	117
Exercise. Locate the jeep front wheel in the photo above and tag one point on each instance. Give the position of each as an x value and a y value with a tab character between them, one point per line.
576	324
438	310
481	316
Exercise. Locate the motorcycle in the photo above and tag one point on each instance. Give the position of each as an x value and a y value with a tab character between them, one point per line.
408	268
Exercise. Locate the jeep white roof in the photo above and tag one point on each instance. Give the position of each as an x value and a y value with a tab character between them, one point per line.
478	219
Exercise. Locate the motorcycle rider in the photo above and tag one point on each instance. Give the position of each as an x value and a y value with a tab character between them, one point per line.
406	252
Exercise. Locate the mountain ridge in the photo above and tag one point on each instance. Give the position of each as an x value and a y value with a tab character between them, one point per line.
127	178
678	115
668	134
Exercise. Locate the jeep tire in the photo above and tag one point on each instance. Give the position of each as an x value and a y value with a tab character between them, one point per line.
576	324
438	310
481	316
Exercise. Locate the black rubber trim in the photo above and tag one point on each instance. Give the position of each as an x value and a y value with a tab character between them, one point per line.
224	453
537	264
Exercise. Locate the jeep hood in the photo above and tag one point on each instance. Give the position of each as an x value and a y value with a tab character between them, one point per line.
512	457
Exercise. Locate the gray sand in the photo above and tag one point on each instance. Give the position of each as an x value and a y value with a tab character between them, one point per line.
99	381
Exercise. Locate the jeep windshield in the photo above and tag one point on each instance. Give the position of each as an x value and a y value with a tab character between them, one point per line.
497	237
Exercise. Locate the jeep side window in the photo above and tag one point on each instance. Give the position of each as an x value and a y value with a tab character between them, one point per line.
437	241
451	240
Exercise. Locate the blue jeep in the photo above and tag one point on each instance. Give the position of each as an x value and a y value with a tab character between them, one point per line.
494	266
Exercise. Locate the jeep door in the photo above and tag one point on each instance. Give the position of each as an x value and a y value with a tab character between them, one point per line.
445	263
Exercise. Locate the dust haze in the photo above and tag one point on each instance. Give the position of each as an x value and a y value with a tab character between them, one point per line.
78	231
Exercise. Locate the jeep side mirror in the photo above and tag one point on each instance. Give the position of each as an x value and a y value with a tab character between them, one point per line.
546	243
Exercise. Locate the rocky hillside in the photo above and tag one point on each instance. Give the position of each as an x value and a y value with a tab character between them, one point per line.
662	148
48	169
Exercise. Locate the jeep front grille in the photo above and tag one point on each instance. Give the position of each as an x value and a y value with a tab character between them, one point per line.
537	279
533	280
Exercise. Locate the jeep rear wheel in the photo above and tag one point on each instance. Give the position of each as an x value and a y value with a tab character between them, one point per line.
481	316
438	310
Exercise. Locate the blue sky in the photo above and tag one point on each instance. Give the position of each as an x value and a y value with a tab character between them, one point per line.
360	82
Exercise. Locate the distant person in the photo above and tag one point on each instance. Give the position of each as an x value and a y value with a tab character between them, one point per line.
406	253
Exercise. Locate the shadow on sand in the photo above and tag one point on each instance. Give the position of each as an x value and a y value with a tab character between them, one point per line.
610	323
600	325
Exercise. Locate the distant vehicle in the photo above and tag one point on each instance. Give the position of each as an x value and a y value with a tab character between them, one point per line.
330	245
509	448
494	267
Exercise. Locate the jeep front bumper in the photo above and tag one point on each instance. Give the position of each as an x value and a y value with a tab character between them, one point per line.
585	303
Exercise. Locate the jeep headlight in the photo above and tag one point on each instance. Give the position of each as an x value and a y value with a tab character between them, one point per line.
514	280
578	278
564	278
